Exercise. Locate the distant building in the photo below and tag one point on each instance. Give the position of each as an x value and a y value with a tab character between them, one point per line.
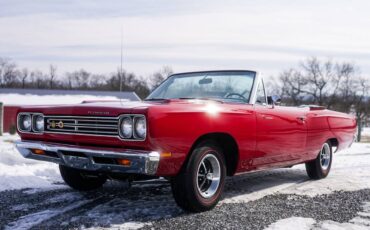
131	96
14	98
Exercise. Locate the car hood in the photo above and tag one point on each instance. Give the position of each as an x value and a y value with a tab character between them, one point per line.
115	108
89	108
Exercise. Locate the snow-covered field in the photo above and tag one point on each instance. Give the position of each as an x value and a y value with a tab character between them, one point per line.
366	131
17	172
116	208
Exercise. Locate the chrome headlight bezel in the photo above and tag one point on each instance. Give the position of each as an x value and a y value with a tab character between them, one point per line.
20	122
126	122
36	121
31	127
140	120
132	135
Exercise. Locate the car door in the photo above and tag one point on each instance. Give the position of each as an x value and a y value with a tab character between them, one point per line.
281	132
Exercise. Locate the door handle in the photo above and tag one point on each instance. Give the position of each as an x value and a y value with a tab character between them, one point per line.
301	118
267	117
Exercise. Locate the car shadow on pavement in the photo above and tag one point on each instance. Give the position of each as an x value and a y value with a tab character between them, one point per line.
117	204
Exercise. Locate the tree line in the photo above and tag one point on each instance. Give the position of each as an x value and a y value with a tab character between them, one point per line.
12	76
335	85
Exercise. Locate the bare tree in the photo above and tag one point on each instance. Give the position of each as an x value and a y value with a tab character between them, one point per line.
38	80
318	76
79	79
3	69
337	86
293	84
8	75
52	74
24	77
98	81
159	76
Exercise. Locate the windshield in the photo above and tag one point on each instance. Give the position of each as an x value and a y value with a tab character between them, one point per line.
234	86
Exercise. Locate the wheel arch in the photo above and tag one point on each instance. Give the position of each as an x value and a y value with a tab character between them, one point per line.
334	142
228	145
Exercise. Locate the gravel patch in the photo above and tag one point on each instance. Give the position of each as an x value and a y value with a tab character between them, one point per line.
154	206
69	209
338	206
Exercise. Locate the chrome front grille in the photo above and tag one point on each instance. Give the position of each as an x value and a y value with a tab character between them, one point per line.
104	126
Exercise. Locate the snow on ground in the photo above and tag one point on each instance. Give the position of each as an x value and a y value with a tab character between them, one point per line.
292	223
17	172
366	132
350	171
360	222
28	221
29	99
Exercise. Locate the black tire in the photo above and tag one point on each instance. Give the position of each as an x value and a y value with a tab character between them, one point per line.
317	169
185	187
81	180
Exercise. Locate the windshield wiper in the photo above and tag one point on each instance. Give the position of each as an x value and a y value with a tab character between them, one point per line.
187	98
200	98
155	99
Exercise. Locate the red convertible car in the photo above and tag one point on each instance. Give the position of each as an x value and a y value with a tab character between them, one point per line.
194	129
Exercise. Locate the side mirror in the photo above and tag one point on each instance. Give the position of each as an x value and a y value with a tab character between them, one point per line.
274	100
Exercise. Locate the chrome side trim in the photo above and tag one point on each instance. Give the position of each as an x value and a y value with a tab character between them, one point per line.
142	161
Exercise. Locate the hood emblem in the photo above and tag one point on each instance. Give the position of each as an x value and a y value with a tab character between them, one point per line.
97	113
60	124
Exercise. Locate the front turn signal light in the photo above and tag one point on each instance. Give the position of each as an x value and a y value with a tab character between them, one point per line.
124	162
38	151
166	154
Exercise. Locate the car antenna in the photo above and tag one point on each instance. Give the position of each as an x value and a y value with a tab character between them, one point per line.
121	70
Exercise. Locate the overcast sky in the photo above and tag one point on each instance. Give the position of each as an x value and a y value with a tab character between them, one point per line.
269	36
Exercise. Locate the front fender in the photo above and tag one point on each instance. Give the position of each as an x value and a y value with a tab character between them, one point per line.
176	132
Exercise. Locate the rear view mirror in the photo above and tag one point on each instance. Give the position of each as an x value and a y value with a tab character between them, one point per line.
274	100
205	81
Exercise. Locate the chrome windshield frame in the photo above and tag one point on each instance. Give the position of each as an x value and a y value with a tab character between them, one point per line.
252	96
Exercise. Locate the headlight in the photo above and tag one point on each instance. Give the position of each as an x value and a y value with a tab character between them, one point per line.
24	122
132	127
140	127
126	127
38	123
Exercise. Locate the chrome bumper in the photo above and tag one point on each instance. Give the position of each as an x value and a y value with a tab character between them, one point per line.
93	159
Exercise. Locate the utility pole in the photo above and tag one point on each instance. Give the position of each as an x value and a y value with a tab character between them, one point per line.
1	118
121	70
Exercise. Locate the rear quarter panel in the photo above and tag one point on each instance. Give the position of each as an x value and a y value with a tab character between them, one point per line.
323	125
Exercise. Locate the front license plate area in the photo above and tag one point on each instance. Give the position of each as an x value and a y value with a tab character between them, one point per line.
77	162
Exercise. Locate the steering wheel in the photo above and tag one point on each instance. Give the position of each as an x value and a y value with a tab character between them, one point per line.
235	94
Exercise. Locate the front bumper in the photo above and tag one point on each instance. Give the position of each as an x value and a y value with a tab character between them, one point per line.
93	159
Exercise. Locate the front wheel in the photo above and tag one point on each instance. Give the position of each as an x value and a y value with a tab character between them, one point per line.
320	167
199	185
81	180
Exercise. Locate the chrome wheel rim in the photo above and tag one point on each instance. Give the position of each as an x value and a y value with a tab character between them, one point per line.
325	156
208	176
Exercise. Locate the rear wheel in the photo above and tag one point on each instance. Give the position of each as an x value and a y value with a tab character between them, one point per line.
320	167
80	179
199	185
